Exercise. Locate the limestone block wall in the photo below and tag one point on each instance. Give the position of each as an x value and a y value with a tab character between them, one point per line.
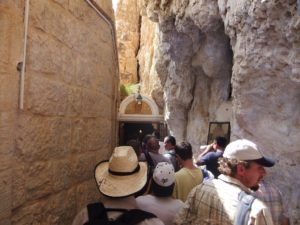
49	148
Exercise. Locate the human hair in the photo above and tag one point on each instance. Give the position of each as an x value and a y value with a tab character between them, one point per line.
145	140
184	151
152	144
221	141
229	166
156	134
160	191
171	139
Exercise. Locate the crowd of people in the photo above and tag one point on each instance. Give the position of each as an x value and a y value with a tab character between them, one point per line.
224	185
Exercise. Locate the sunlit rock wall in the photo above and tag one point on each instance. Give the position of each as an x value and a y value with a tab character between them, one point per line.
151	84
49	148
128	37
137	47
194	62
265	38
254	45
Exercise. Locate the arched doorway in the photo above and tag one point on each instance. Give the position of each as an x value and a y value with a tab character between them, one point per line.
139	117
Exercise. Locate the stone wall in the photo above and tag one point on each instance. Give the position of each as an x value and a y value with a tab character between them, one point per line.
206	47
266	85
49	148
151	84
193	62
137	48
128	38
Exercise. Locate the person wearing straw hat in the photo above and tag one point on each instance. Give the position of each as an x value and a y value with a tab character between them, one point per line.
160	201
217	201
118	180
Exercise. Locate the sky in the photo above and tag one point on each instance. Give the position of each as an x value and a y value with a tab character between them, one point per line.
115	3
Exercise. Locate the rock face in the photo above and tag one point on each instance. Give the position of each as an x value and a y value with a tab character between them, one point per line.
149	78
193	62
128	38
49	148
206	47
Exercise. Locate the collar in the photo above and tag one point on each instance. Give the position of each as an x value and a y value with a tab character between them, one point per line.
123	203
233	181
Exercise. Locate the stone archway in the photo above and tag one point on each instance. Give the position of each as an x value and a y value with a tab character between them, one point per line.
136	119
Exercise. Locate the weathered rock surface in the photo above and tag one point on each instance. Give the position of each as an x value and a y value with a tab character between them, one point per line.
128	38
149	78
265	38
193	61
254	45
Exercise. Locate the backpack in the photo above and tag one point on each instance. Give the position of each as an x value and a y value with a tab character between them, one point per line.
243	209
98	215
150	162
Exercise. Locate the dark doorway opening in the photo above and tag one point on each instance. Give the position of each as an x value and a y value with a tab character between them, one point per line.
138	130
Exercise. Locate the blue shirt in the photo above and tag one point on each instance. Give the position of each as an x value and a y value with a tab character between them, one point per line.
211	162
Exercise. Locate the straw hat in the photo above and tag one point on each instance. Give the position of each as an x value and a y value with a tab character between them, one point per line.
122	175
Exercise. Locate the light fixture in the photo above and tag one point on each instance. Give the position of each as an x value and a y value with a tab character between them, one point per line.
139	97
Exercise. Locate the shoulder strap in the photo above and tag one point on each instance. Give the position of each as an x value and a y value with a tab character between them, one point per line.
98	213
148	158
243	208
134	216
150	163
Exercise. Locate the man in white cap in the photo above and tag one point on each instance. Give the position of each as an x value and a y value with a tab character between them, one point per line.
216	201
118	180
160	201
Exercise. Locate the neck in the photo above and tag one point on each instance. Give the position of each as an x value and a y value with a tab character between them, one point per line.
220	148
242	180
189	164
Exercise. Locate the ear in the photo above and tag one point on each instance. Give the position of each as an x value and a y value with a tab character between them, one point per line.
240	170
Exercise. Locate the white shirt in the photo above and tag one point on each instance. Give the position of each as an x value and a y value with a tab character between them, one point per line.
161	148
123	203
165	208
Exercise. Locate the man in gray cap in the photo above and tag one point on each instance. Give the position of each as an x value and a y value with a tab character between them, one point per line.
216	201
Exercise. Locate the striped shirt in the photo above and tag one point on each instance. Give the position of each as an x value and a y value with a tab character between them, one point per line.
272	197
215	203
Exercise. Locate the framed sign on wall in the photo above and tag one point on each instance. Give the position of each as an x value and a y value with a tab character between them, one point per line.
218	129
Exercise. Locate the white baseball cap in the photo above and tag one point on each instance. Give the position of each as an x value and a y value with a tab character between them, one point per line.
244	149
164	174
